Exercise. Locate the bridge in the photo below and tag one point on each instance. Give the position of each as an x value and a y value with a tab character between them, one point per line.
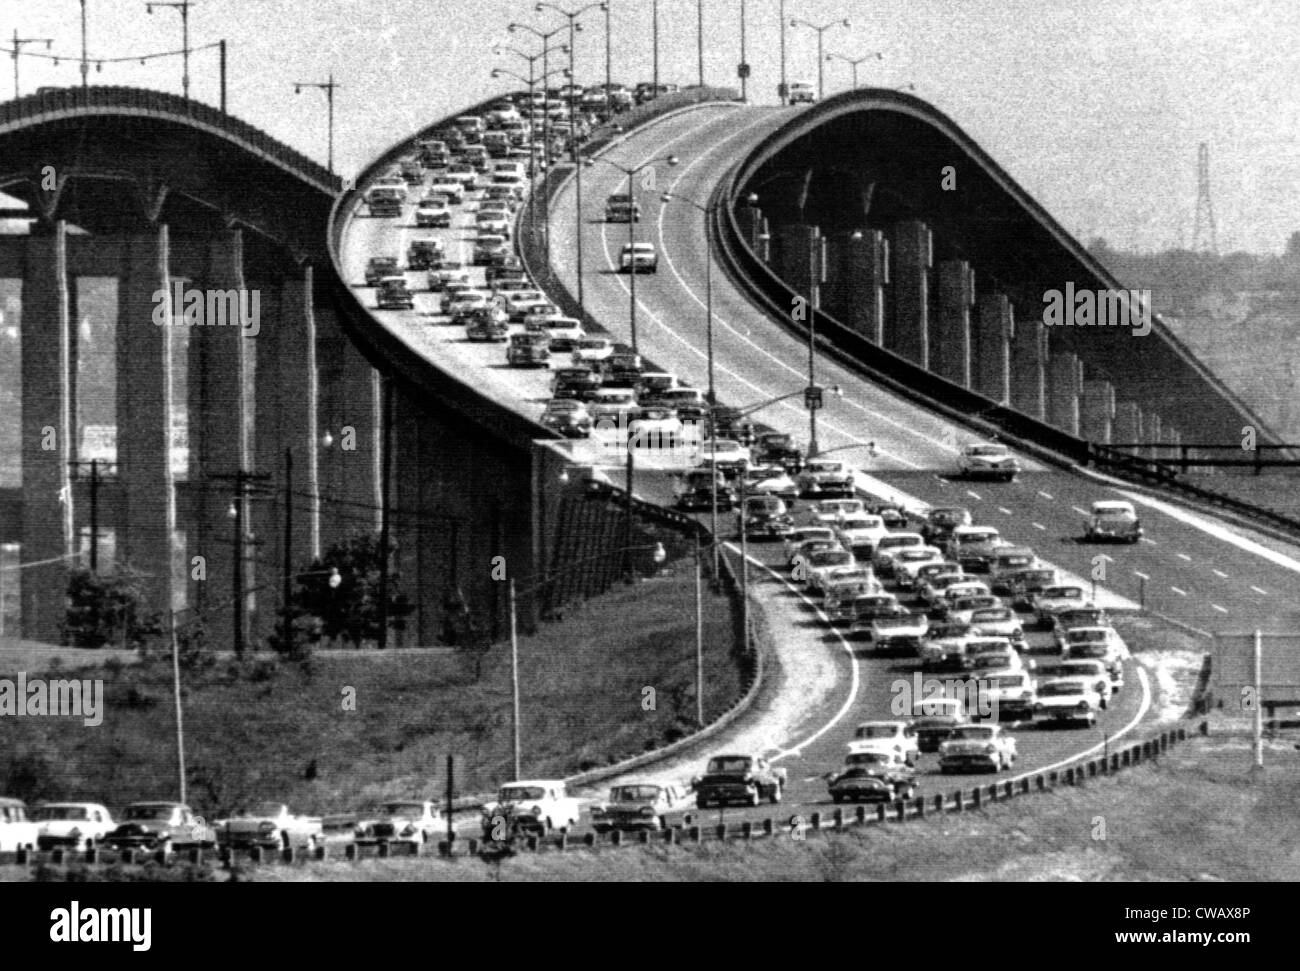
930	321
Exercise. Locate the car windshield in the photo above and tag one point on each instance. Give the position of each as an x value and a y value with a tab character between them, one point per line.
593	344
160	813
869	758
1014	561
1063	593
825	466
993	661
987	451
404	810
875	731
990	616
972	538
730	763
46	813
831	558
916	556
1057	689
521	793
1009	681
945	517
894	542
634	794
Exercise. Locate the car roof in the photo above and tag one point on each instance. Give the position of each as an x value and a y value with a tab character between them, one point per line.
534	782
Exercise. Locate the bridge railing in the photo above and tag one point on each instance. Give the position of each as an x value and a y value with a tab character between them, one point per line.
66	101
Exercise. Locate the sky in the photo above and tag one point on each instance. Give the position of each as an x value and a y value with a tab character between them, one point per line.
1095	106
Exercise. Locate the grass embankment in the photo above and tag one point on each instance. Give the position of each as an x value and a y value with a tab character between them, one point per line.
279	730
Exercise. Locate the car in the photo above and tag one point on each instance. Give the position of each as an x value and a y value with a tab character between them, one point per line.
773	481
962	609
433	213
779	449
17	831
385	201
1113	521
766	517
893	513
270	825
393	294
622	208
934	720
908	560
492	222
464	174
529	807
399	821
981	664
490	248
653	428
450	188
987	461
379	267
635	806
519	303
999	621
942	520
1007	693
462	301
815	568
592	350
944	650
1091	669
801	92
900	632
71	825
527	350
831	511
425	253
798	537
1007	562
724	454
1053	600
975	547
567	416
824	477
638	258
610	408
1067	700
888	546
1065	621
983	747
1024	585
1097	643
893	736
738	778
575	382
933	587
163	826
447	274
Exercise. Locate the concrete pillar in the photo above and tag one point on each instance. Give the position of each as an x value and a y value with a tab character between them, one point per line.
144	415
791	255
1028	366
856	277
1128	423
219	437
909	332
992	347
1097	411
1151	435
1064	389
47	434
950	353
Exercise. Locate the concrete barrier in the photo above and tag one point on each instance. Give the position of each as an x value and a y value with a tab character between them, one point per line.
616	837
255	855
746	829
881	813
815	821
57	855
958	801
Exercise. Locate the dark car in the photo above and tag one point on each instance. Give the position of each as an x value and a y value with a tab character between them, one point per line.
875	777
579	383
933	730
774	448
941	521
160	826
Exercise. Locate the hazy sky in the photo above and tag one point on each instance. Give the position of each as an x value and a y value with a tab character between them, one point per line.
1095	106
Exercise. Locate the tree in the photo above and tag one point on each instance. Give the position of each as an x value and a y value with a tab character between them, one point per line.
108	609
349	607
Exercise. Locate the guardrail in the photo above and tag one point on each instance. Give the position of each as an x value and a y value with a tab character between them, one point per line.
797	825
75	100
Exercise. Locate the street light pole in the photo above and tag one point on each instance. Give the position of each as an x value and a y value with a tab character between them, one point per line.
328	87
184	7
821	56
654	29
699	27
816	276
699	633
85	61
743	70
18	44
545	38
514	680
853	62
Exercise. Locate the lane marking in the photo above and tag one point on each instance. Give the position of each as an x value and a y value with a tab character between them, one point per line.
1220	573
1150	542
1181	593
1079	511
1218	608
1005	510
1045	495
1039	526
1184	556
974	495
1259	591
1144	576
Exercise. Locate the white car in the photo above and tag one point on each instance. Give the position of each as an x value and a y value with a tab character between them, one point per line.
1099	644
979	460
533	806
801	92
1068	700
891	544
593	349
1008	694
465	302
71	825
1113	520
1088	668
910	559
816	569
1000	622
796	539
823	475
489	221
834	510
778	483
983	746
564	332
961	609
889	735
453	189
862	531
981	664
1053	600
271	825
400	821
934	586
723	451
16	830
433	213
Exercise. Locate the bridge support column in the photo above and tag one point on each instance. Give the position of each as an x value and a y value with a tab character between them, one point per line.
1028	362
950	355
1128	422
910	331
791	254
218	398
995	319
144	415
1064	389
47	433
1097	411
1151	435
854	290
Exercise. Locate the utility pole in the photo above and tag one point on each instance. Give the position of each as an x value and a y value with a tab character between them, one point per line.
451	800
286	592
184	7
223	75
245	485
18	44
176	690
699	632
385	514
94	516
514	679
329	87
816	277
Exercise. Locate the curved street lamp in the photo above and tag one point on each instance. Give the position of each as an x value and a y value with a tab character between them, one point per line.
821	57
854	62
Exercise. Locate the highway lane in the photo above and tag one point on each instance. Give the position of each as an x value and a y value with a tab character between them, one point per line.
1207	574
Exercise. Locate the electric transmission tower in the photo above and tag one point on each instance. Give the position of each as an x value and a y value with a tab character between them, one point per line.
1205	235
